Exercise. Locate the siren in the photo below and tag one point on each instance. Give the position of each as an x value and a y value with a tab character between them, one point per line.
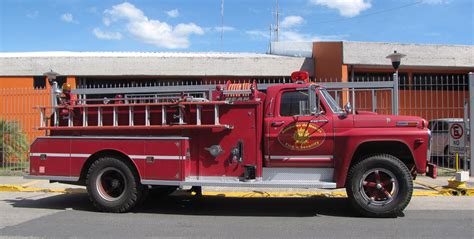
300	77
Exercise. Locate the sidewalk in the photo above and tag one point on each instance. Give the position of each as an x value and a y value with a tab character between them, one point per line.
423	186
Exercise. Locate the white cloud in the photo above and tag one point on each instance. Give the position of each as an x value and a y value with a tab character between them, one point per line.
106	35
173	13
68	17
347	8
291	21
106	21
152	31
257	34
435	2
32	15
224	28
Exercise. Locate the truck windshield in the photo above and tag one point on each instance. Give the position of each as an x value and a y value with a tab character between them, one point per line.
331	102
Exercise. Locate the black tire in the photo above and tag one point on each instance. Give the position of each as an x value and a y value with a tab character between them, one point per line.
379	186
112	186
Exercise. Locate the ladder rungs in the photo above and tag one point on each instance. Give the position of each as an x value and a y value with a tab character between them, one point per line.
125	127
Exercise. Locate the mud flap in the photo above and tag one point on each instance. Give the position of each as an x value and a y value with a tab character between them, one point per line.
431	170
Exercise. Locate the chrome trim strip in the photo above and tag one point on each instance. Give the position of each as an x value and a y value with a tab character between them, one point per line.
60	155
80	155
113	137
300	157
161	182
54	178
155	157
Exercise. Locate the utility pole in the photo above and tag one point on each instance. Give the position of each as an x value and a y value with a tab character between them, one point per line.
277	29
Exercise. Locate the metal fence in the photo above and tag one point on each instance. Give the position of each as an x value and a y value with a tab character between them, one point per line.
438	98
18	120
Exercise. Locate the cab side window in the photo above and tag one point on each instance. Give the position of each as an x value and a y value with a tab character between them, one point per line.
294	103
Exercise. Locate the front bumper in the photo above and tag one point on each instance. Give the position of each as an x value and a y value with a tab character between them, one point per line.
431	170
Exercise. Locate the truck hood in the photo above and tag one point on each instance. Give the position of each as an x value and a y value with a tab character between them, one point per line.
385	121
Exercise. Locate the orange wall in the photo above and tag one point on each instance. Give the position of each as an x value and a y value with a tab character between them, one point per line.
16	82
328	61
18	99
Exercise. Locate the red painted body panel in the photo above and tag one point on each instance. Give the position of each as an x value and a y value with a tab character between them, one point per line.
349	139
57	165
280	134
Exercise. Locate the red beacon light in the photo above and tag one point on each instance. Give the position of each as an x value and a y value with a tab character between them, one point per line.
300	77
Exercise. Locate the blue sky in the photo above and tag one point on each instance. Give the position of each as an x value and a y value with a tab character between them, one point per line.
191	25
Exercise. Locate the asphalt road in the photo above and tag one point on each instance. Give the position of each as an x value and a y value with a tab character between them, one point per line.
61	215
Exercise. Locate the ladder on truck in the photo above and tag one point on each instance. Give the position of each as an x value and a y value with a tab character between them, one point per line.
51	117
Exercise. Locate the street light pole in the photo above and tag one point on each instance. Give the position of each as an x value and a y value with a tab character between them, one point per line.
396	59
395	93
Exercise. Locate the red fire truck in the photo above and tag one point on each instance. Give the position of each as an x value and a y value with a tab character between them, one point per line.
293	135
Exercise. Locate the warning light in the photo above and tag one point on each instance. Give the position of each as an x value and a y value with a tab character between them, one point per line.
66	87
300	77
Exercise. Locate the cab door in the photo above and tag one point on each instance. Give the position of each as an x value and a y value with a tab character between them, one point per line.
296	138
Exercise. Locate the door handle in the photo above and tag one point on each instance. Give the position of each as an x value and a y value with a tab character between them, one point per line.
277	123
319	121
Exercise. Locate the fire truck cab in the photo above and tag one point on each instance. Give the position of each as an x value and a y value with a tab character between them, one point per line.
291	136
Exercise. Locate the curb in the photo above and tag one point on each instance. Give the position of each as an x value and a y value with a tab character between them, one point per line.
16	188
255	194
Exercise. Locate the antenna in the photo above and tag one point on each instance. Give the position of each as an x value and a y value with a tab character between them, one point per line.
277	29
222	22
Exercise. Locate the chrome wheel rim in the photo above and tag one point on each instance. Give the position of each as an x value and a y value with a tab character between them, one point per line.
379	186
111	184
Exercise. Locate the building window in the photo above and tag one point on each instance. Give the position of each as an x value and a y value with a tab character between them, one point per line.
61	80
445	82
376	76
39	82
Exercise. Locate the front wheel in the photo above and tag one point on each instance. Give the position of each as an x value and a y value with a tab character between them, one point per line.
379	186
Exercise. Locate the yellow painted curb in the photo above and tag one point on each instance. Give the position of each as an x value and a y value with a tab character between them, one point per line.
258	194
16	188
254	194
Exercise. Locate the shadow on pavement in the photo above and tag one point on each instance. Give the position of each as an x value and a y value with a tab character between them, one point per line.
212	206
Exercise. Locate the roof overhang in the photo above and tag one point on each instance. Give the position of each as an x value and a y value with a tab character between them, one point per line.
151	64
418	56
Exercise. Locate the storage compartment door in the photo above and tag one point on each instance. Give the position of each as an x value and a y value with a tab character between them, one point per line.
164	159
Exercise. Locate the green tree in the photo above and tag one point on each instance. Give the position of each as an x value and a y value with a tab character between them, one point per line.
13	143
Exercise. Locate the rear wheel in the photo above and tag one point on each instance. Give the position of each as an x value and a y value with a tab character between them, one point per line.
112	185
379	186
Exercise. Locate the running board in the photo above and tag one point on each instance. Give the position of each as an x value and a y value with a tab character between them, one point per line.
236	182
272	178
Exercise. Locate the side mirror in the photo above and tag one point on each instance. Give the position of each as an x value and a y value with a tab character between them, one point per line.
348	108
313	105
